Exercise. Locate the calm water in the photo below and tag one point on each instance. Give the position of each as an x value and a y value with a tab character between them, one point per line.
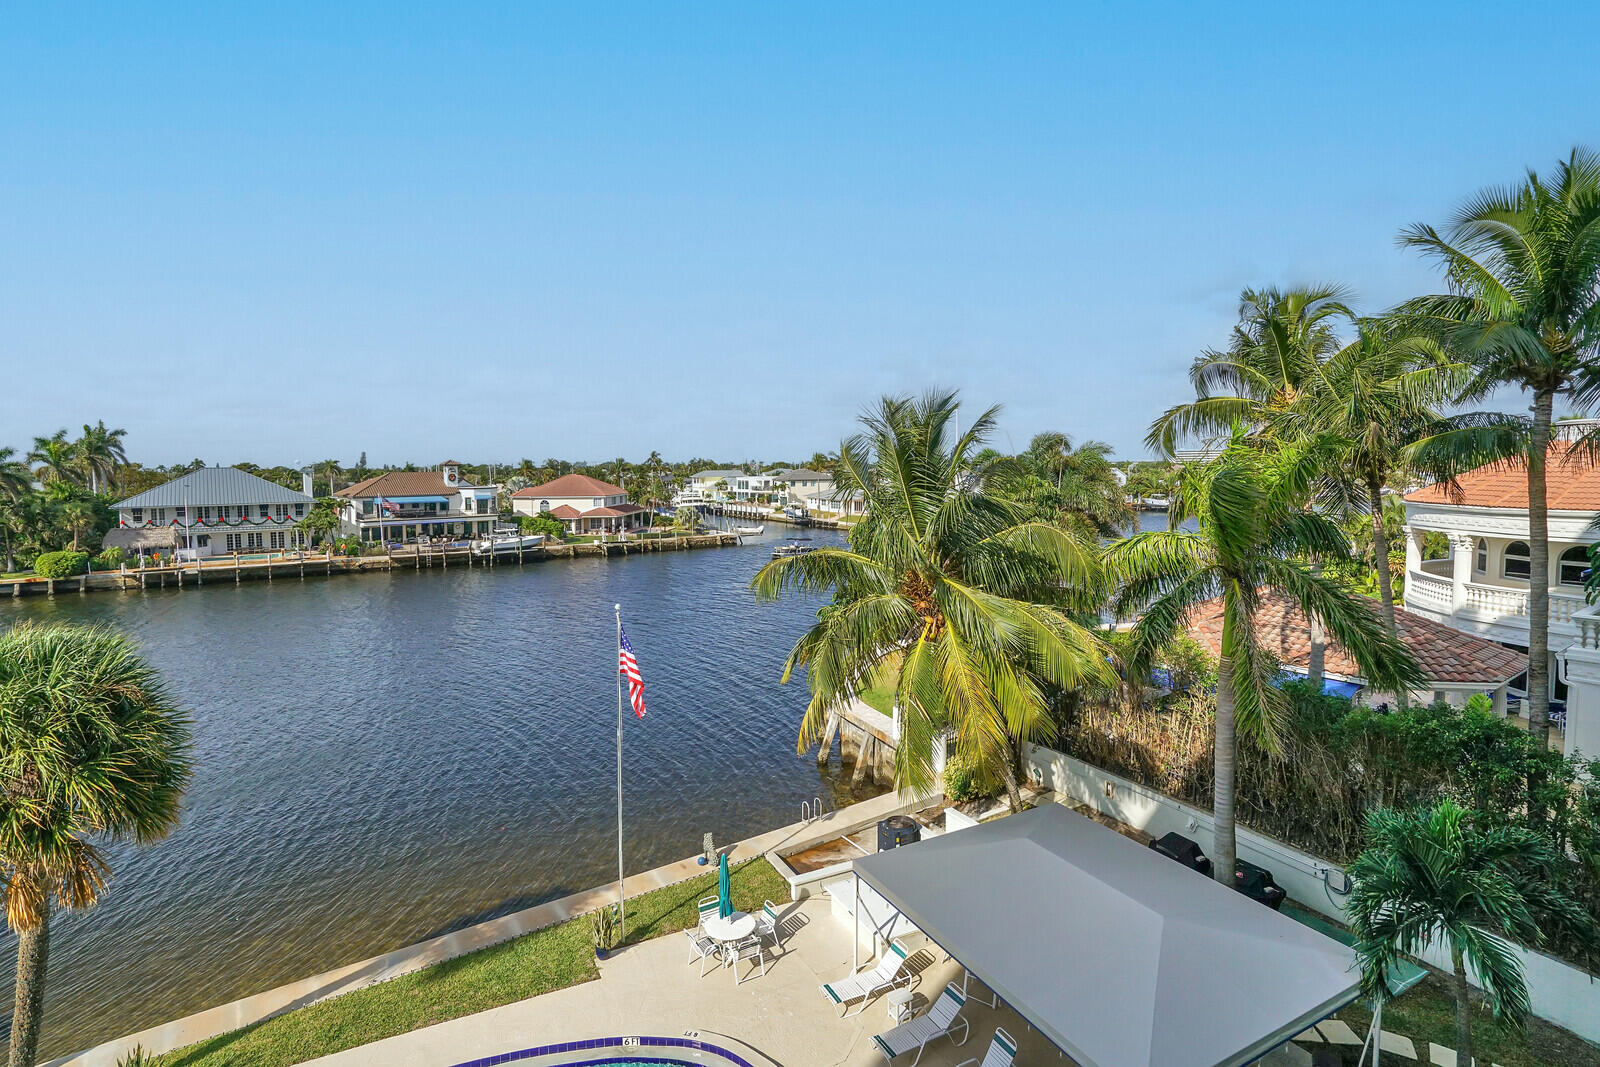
386	757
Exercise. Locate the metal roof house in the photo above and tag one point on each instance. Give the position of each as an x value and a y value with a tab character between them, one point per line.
211	511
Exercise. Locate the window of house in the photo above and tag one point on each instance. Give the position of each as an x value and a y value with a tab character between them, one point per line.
1481	559
265	512
181	513
205	540
138	514
544	505
1516	563
366	507
277	539
1574	564
299	511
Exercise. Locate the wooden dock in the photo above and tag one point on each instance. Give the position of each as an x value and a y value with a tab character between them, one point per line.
233	570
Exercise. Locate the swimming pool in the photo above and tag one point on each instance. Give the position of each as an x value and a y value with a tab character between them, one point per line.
687	1051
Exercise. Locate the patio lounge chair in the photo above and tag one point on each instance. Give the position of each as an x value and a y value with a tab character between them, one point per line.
889	973
941	1020
703	948
1002	1051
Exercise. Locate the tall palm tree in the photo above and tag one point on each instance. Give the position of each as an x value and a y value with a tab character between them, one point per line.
1074	486
944	587
16	482
1368	402
93	749
1523	306
100	453
56	458
1434	873
1253	536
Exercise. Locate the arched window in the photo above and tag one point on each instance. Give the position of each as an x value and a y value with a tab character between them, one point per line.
544	505
1515	564
1574	562
1481	557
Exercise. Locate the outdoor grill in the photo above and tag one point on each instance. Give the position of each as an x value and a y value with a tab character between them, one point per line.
898	830
1175	846
1257	884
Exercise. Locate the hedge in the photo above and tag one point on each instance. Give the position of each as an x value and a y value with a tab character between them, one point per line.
60	564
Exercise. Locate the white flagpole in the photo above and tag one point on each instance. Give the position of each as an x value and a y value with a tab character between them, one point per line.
622	907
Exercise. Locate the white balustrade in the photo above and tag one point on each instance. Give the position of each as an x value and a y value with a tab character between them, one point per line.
1428	591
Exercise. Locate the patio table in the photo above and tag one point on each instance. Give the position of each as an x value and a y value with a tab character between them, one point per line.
728	931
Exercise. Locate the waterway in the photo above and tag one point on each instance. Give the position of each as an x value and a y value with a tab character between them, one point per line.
384	757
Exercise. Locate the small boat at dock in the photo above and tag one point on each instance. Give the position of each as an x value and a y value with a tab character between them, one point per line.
750	531
507	541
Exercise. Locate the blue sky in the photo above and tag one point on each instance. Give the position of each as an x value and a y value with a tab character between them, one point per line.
595	230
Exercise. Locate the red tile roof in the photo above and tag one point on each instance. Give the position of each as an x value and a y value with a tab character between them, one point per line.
564	511
1445	655
612	512
570	485
401	483
1572	483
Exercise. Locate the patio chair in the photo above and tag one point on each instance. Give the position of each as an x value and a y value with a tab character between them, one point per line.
889	973
1002	1051
941	1020
710	907
768	925
749	948
703	948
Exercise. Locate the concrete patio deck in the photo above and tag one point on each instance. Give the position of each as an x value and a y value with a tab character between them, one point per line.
650	988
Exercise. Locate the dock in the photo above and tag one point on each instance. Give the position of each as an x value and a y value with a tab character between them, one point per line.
235	569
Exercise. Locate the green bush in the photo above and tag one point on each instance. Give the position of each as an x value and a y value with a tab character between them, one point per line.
964	781
110	559
542	523
60	564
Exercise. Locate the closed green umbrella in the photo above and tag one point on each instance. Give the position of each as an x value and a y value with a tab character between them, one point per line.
724	889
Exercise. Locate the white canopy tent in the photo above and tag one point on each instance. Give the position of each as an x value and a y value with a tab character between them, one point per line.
1118	955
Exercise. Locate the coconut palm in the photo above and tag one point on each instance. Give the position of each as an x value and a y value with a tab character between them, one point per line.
93	749
1073	486
1368	402
56	458
1523	307
946	588
16	482
1435	874
100	453
1281	337
1253	537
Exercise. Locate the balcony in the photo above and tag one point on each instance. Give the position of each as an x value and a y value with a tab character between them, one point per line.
1492	611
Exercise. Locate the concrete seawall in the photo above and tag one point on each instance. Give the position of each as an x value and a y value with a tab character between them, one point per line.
233	570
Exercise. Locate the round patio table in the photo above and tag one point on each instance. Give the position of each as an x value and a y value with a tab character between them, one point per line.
730	931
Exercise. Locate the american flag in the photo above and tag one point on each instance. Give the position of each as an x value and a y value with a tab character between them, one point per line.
629	667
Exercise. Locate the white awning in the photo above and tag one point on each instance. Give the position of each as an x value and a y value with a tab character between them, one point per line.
1120	956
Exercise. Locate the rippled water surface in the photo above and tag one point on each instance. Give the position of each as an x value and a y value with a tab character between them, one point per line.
385	757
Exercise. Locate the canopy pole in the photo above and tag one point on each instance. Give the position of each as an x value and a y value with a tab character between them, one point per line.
855	918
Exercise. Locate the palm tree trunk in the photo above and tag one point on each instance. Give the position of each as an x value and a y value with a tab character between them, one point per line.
1380	551
1317	656
1013	791
33	947
1463	1009
1223	847
1539	572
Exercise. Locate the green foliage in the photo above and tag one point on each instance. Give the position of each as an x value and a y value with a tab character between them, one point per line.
110	559
965	779
605	925
542	523
60	564
136	1057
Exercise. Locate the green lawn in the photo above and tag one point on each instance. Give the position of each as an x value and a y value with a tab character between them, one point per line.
548	959
880	697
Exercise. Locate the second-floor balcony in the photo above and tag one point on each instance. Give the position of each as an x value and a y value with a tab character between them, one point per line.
1495	611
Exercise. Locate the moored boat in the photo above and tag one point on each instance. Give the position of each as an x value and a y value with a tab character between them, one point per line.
506	541
750	531
795	546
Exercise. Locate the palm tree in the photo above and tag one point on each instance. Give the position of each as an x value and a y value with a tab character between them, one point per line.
1436	873
93	749
944	587
56	458
1253	536
1369	402
16	482
1523	268
100	454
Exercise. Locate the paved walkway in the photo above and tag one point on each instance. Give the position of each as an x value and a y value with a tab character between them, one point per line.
650	989
252	1009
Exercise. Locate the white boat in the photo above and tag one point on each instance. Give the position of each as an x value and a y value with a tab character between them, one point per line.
503	542
750	531
795	546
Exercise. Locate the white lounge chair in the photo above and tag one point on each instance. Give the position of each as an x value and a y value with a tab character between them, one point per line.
703	948
889	973
1002	1051
941	1020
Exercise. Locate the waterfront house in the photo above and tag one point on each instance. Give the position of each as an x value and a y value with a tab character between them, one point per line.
583	505
407	506
1456	665
796	484
209	512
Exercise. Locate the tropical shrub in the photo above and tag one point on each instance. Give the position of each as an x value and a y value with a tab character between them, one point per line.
110	559
964	780
542	523
60	564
